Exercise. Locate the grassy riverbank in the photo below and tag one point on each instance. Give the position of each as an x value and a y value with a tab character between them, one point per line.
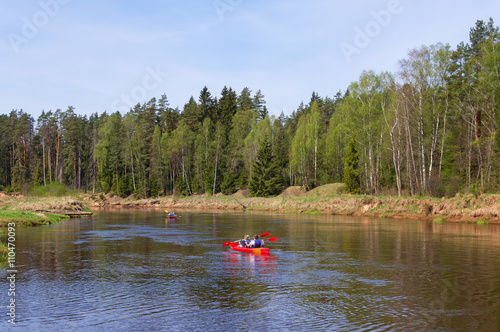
27	218
4	254
26	211
329	199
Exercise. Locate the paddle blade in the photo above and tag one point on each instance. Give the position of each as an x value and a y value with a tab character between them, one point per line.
272	239
234	244
225	244
264	234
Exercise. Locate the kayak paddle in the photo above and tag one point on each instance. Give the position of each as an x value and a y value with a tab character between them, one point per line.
264	234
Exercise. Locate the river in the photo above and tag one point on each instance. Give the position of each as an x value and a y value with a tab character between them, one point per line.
134	270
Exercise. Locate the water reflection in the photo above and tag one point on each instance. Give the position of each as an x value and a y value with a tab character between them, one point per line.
241	265
133	270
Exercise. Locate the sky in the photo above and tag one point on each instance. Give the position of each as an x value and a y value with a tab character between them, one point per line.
109	55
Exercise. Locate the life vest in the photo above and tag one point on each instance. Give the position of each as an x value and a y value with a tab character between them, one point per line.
245	243
257	243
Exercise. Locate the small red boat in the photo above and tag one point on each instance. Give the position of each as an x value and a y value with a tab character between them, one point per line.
257	251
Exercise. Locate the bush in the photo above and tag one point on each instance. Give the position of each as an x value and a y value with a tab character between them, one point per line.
475	190
55	189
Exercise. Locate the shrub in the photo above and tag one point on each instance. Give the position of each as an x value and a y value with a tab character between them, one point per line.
55	189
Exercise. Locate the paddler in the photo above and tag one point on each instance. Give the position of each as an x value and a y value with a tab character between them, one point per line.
256	242
245	242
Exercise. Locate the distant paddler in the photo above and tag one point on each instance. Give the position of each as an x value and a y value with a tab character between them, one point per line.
171	214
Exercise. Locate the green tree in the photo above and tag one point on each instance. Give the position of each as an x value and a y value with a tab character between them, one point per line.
243	123
206	103
314	137
300	154
109	152
181	144
265	179
226	109
191	114
259	105
245	102
351	168
253	141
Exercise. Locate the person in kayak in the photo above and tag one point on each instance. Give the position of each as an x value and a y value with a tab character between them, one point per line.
245	242
256	242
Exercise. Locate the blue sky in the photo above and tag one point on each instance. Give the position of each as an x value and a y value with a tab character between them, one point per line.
108	55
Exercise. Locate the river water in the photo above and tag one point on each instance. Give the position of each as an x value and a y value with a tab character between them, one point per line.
133	270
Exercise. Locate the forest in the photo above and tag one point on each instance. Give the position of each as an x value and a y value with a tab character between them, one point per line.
431	128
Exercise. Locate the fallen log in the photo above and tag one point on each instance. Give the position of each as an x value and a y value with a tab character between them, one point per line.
71	214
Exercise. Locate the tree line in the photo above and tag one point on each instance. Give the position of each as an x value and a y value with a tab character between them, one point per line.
431	128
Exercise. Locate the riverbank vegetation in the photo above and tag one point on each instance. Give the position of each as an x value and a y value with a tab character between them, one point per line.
4	254
429	129
331	199
27	218
40	206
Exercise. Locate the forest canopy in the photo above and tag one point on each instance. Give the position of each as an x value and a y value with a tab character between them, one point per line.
431	128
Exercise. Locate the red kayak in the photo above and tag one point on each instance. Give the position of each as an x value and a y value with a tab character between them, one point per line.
257	251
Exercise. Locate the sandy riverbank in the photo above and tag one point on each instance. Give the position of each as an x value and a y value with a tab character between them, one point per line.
326	199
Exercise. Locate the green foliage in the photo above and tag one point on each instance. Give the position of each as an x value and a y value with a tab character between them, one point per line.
125	187
54	189
351	168
482	222
228	186
474	190
265	180
4	254
26	219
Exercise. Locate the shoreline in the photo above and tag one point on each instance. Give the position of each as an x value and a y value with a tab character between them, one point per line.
328	199
483	209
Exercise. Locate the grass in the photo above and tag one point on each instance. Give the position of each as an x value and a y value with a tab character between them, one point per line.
55	189
4	251
439	220
313	212
26	219
482	222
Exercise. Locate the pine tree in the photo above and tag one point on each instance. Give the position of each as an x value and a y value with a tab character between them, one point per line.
351	168
245	101
259	105
265	180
